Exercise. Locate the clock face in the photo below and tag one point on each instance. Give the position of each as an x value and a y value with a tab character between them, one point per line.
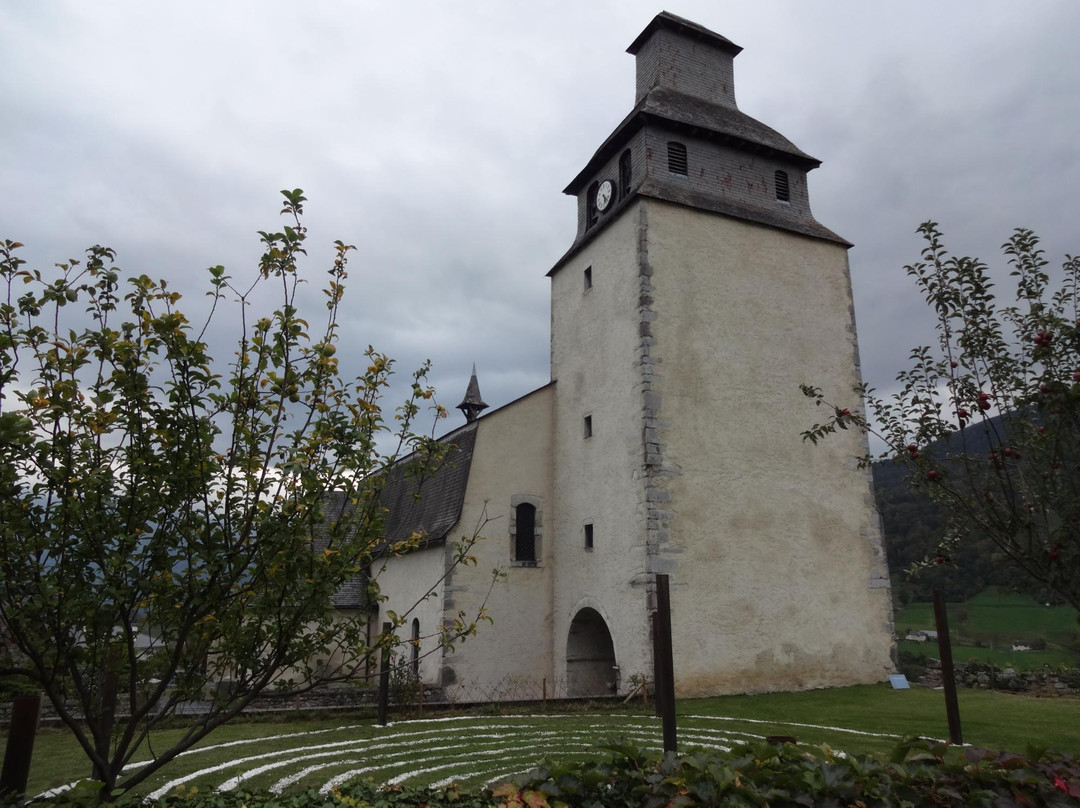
604	194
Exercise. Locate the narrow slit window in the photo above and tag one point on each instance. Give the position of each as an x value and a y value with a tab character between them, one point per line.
676	158
587	426
783	187
525	534
591	213
588	537
588	278
624	174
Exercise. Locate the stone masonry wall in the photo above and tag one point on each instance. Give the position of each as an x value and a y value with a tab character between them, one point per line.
989	677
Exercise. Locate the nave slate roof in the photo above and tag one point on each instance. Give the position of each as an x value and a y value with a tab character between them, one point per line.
429	503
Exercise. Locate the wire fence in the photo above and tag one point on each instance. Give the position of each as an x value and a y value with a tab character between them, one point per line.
403	694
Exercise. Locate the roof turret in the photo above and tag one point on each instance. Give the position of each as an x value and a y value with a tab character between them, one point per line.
472	404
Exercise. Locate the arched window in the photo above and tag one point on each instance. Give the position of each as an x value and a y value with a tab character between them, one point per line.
676	158
525	533
415	651
624	174
591	213
783	189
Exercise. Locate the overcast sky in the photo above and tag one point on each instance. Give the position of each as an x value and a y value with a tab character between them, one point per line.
437	137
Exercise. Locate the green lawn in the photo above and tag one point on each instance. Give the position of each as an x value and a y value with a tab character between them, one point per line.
990	719
476	746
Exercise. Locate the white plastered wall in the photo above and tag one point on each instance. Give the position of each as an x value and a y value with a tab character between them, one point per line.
595	362
780	581
511	459
406	580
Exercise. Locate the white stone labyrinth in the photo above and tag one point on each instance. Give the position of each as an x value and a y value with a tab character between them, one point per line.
467	749
471	750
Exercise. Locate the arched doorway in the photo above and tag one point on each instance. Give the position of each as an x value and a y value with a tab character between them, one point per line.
590	656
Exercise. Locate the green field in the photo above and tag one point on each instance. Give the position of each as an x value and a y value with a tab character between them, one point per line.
985	627
475	747
999	657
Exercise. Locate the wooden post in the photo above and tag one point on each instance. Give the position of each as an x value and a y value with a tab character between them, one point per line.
667	665
948	675
109	685
25	710
543	693
658	669
384	678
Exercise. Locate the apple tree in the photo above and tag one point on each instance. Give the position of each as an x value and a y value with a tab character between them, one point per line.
166	533
987	419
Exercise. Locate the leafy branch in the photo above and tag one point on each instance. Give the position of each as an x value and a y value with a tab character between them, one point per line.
987	419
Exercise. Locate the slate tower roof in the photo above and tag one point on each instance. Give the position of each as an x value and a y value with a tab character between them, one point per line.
685	95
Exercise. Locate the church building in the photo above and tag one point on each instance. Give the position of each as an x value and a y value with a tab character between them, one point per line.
697	294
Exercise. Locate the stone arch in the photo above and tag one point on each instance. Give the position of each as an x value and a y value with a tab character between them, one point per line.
591	669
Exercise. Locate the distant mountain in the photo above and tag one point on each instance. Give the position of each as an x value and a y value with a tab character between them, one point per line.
913	524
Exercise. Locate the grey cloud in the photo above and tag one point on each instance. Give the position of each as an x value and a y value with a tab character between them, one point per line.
438	137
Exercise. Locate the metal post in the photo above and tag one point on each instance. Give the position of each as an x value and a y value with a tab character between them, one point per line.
667	665
948	675
384	677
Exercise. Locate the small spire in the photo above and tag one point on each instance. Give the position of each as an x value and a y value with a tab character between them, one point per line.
472	404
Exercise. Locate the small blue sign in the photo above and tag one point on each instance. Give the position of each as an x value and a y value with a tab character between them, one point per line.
899	681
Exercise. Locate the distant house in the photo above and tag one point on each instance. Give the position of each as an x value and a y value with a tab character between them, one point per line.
921	636
1021	646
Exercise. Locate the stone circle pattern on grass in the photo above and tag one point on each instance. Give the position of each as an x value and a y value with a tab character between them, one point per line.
471	750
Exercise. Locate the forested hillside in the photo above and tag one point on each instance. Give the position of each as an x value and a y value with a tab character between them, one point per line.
913	523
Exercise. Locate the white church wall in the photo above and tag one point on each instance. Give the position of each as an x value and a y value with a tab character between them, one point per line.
779	579
405	581
511	462
594	357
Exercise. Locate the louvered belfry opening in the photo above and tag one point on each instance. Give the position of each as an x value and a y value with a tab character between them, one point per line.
625	174
676	158
783	189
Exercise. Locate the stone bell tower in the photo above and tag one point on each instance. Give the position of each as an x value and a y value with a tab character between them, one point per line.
698	293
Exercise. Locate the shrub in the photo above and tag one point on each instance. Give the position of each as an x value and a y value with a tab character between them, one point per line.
912	664
404	684
920	773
